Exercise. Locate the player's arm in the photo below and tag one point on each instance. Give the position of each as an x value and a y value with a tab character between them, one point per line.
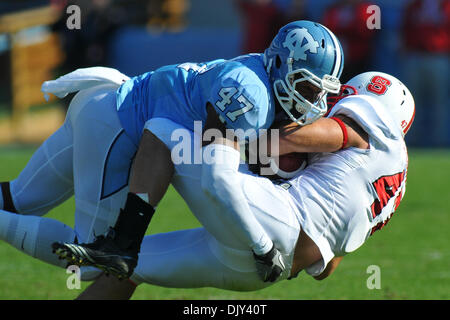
331	266
324	135
219	181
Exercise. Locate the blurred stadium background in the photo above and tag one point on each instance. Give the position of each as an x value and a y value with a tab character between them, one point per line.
136	36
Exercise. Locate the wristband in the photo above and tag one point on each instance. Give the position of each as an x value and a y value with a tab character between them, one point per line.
344	131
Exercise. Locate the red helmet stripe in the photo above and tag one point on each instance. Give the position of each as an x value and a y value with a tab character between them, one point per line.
411	121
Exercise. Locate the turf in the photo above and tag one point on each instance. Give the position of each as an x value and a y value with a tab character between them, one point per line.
412	251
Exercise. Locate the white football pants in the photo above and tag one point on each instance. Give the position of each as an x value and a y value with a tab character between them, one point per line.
82	157
90	156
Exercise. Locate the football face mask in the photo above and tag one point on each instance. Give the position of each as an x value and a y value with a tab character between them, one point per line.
302	95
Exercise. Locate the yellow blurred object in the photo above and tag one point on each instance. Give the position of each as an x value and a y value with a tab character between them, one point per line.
168	14
15	22
34	127
32	63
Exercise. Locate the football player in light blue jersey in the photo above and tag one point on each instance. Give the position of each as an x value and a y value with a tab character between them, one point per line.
92	154
238	89
301	66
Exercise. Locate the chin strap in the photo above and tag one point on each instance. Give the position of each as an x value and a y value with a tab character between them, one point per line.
345	91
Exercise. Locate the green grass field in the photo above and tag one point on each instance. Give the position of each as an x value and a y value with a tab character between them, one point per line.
412	251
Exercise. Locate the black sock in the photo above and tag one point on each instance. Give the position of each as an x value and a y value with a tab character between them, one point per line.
8	204
132	222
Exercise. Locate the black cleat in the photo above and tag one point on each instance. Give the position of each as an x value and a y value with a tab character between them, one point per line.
117	252
103	253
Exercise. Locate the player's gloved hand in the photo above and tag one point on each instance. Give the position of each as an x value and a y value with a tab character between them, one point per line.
270	265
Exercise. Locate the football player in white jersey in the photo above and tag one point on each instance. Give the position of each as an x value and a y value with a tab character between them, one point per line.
353	184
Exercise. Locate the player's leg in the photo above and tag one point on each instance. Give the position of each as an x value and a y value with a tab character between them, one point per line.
46	180
34	235
103	157
103	154
108	288
151	173
193	259
182	259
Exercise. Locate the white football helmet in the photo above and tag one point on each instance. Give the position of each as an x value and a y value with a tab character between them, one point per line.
391	92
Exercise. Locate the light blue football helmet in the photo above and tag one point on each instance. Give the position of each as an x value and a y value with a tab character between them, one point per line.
304	51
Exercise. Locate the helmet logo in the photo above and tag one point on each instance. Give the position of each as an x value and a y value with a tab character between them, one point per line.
295	43
378	85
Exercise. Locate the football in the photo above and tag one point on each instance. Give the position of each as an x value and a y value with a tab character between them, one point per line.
289	165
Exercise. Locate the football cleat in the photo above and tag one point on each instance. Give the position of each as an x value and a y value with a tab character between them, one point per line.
103	253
